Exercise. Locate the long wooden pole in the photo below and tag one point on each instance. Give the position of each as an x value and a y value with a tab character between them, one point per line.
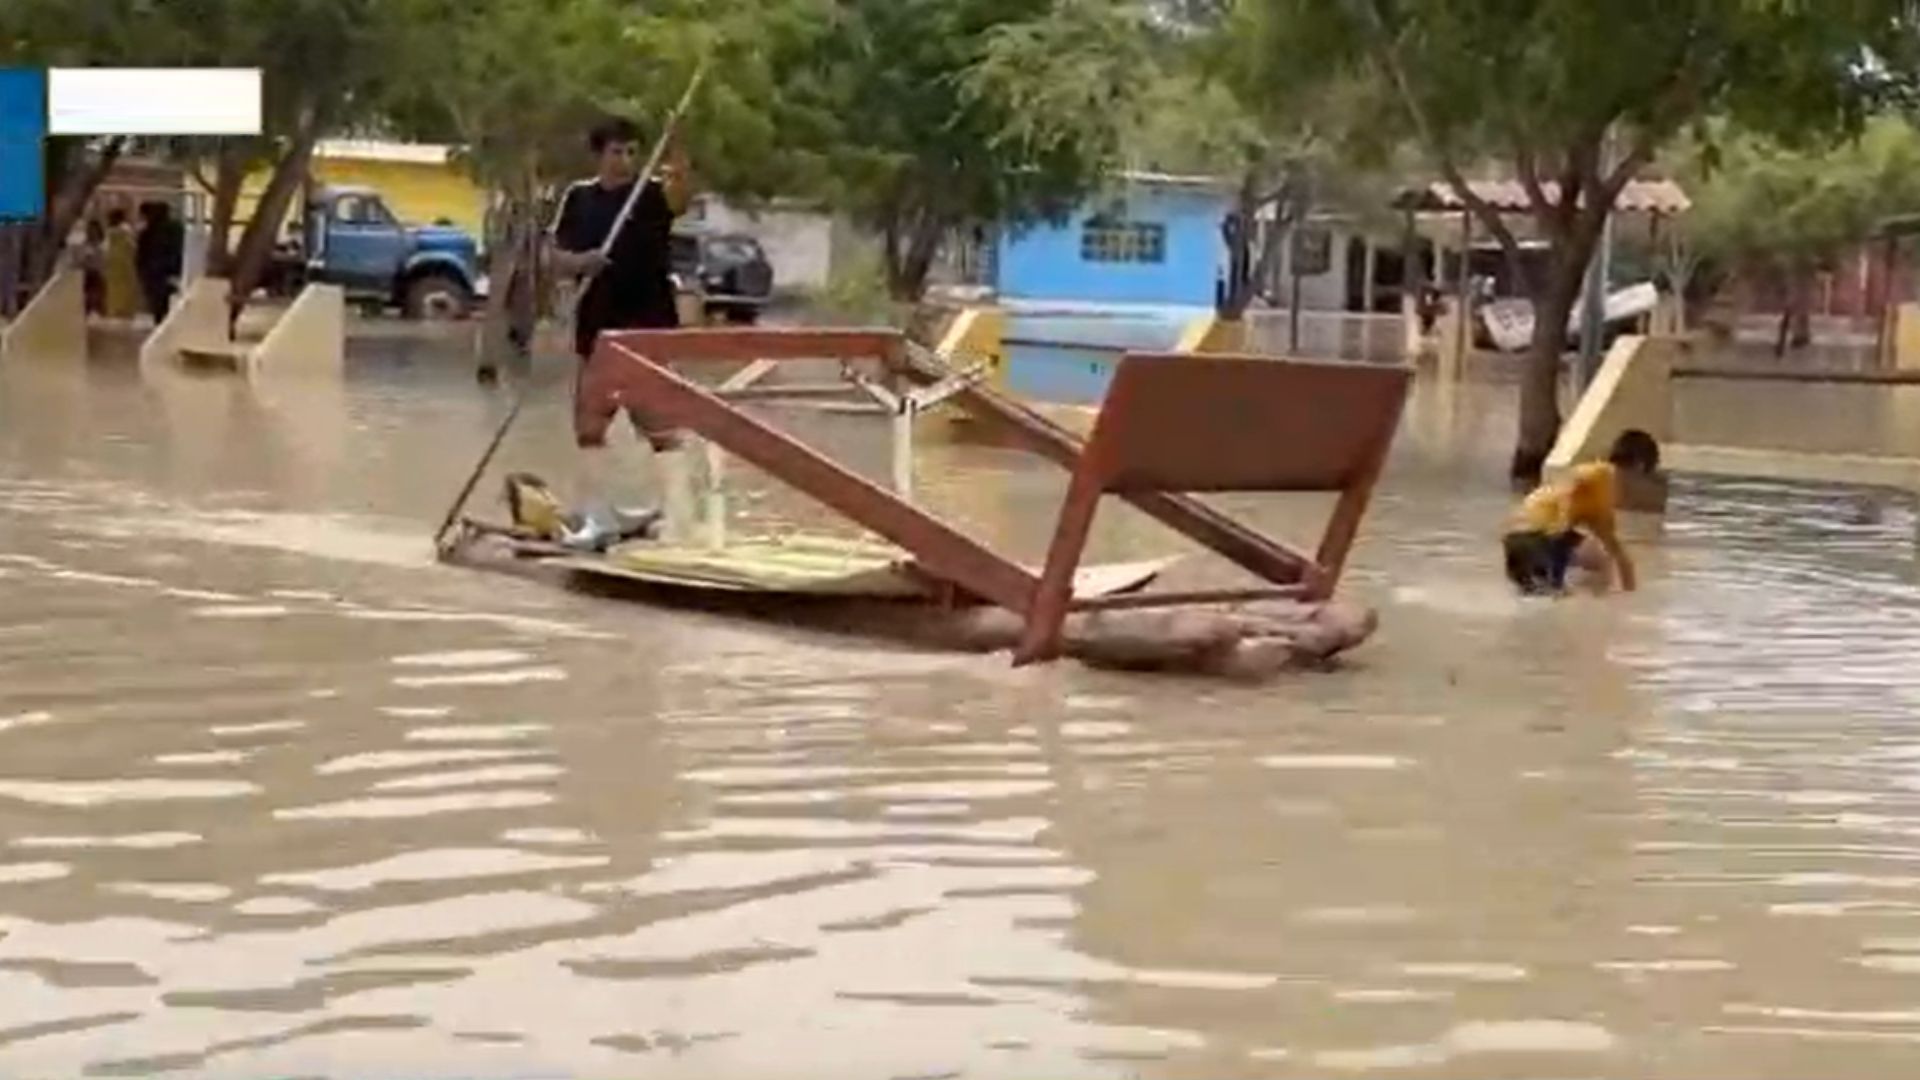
606	246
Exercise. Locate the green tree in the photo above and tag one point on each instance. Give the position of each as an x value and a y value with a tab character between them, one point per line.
323	63
1574	98
1784	212
922	116
515	85
519	82
47	33
1212	106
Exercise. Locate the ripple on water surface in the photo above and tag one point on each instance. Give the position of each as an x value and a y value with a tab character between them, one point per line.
287	804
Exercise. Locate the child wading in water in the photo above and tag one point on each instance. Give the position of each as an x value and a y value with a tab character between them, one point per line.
1556	526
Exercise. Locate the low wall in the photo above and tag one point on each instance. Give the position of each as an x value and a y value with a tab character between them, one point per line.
1635	389
198	320
53	325
310	338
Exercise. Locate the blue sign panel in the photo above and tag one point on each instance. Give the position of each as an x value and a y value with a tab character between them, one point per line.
23	132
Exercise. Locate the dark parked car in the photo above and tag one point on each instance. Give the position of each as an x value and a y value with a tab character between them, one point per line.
729	267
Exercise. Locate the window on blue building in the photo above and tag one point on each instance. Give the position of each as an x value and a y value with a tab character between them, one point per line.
1108	239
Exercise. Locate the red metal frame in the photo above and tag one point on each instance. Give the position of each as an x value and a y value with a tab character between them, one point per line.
1171	424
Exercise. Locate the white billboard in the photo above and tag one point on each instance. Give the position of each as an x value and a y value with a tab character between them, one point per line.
153	101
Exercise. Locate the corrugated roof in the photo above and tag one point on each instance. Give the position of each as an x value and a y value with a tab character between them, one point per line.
1510	196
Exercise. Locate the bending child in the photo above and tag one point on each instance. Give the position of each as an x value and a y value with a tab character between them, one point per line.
1557	526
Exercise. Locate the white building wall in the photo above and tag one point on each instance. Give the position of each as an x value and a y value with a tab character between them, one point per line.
1325	291
798	241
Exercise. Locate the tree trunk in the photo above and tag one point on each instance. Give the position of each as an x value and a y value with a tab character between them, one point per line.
1800	309
230	175
73	189
1238	230
13	237
1540	382
910	252
513	255
256	243
523	297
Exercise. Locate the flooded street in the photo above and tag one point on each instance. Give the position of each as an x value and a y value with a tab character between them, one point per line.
280	796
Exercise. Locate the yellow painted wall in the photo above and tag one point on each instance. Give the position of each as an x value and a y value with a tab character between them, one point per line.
417	193
1906	337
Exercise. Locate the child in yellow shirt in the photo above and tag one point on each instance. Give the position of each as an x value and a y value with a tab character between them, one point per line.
1554	526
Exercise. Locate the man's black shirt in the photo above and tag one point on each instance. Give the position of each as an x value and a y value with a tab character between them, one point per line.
634	290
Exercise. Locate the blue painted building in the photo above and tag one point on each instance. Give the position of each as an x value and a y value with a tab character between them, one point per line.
1153	239
1126	271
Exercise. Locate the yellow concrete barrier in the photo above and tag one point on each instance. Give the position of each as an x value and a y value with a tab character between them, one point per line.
310	339
977	333
1633	389
1212	334
1905	339
973	335
197	321
53	325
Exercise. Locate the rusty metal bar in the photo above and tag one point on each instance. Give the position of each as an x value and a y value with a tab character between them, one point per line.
618	373
1343	525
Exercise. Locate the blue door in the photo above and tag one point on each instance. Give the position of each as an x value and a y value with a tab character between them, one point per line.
364	246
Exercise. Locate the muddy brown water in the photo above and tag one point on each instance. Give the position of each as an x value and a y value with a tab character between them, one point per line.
278	796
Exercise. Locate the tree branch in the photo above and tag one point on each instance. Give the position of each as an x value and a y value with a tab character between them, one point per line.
1623	173
1528	166
1386	55
199	174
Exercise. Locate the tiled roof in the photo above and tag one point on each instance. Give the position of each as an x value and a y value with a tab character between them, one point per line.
1510	196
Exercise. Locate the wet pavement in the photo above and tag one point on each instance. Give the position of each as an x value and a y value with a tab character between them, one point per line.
279	796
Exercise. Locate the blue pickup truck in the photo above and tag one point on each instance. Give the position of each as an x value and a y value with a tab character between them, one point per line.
348	237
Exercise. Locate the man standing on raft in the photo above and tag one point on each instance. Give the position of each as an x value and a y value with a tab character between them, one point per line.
631	287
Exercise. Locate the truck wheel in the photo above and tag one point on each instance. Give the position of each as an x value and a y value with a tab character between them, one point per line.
437	296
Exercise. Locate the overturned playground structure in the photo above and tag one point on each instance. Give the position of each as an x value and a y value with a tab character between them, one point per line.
1172	425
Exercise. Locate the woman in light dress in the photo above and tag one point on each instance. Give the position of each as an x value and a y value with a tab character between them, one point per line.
123	281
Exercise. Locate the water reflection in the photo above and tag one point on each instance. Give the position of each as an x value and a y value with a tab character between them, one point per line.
280	796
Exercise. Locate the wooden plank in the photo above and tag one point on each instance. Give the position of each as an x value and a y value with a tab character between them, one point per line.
770	567
798	565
